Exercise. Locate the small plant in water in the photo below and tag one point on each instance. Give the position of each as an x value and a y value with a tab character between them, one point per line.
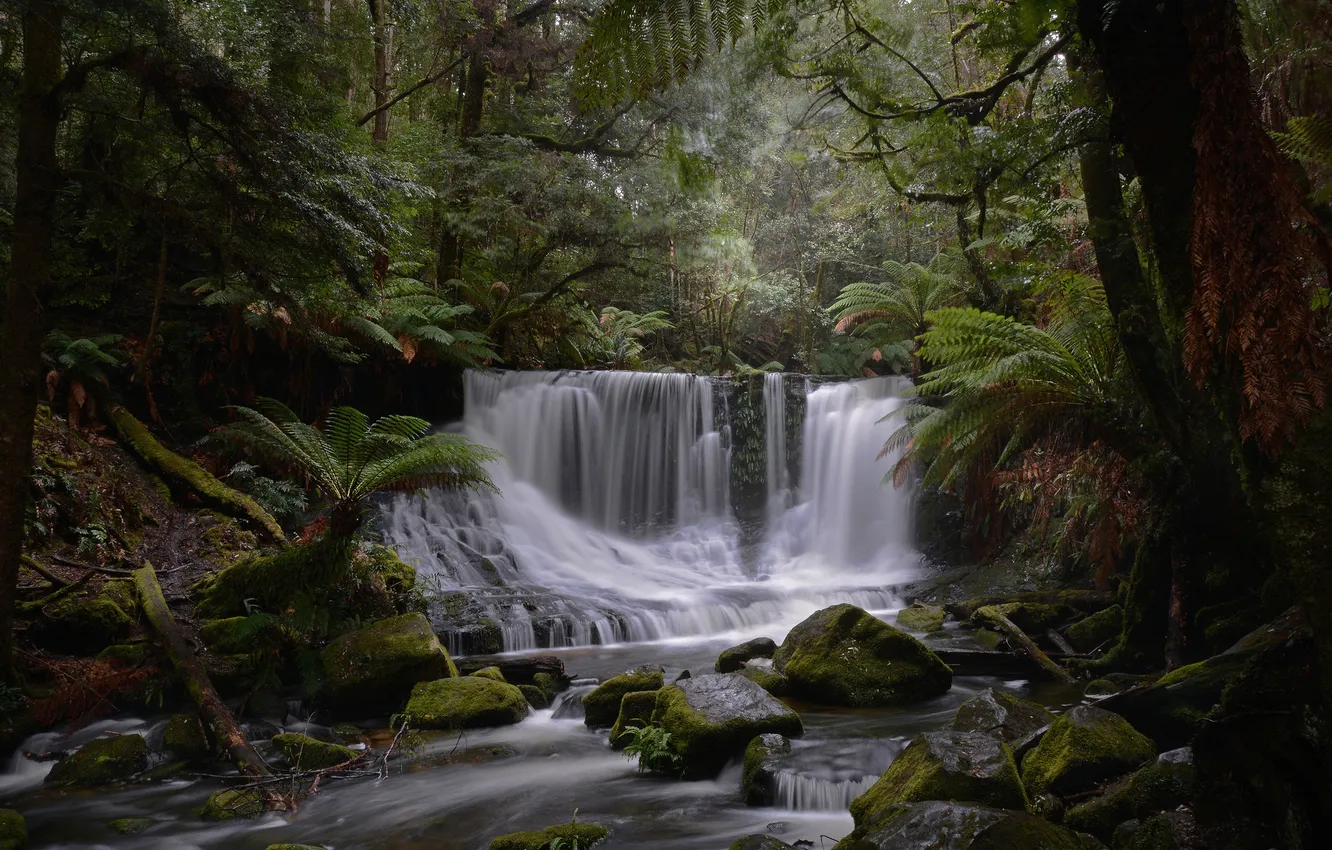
571	843
651	745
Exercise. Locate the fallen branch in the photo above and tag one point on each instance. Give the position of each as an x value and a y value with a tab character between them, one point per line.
109	571
1060	642
32	564
38	604
992	615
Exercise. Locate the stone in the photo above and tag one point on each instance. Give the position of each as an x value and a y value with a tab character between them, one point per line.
13	830
82	624
760	774
761	673
1016	722
586	834
126	654
759	841
465	702
921	618
940	825
129	826
372	670
184	737
227	636
295	847
635	710
535	696
1035	618
1096	630
1158	787
843	655
602	705
232	803
492	673
1100	689
1083	747
734	658
1175	830
101	761
713	717
305	753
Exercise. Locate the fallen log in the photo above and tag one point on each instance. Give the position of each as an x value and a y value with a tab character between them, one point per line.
517	671
992	615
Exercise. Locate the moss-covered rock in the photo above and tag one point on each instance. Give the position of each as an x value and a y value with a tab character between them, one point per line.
372	670
295	847
228	635
1170	831
305	753
921	618
758	781
125	654
1161	785
101	761
732	659
1021	831
184	737
492	673
465	702
1084	601
635	710
938	825
711	719
82	624
13	830
1083	747
602	705
1014	721
586	834
772	682
535	696
547	683
1096	630
1035	618
843	655
758	841
232	803
130	826
1100	688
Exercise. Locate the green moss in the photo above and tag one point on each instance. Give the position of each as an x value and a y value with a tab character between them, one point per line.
1083	747
1098	629
535	696
705	740
1182	674
759	842
1160	786
1035	618
184	736
753	784
734	658
82	624
464	703
225	542
547	684
1100	688
101	761
635	710
774	683
492	673
127	654
129	826
1027	832
602	705
373	669
843	655
586	834
227	635
921	618
13	830
397	575
305	753
233	803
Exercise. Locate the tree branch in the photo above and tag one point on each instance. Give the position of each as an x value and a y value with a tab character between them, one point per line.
410	90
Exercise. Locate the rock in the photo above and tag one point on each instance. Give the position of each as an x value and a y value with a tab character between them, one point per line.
963	766
372	670
1169	831
921	618
232	803
684	674
83	624
267	705
845	656
1035	618
774	683
1100	689
1016	722
101	761
1158	787
1083	747
1027	832
1096	630
760	775
127	654
734	658
939	825
492	673
602	706
535	696
305	753
184	737
13	830
711	718
1085	601
586	834
533	670
759	841
635	710
128	826
548	684
295	847
227	636
464	703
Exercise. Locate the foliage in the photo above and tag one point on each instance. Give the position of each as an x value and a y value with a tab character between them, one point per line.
651	746
76	365
283	499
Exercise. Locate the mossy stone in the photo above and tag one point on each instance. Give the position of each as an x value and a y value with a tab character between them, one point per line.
465	702
586	834
126	654
759	841
227	636
1098	629
602	705
535	696
1014	721
305	753
635	710
81	625
1158	787
713	717
184	737
734	658
492	673
774	683
843	655
547	683
921	618
760	772
101	761
1028	832
1083	747
1035	618
294	847
1098	688
233	803
13	830
129	826
372	670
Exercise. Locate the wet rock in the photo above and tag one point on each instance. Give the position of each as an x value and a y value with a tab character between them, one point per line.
1014	721
937	825
602	706
761	765
843	655
126	654
372	670
228	635
1083	747
1100	689
128	826
1161	785
760	672
233	803
492	673
1168	831
464	703
13	830
1096	630
101	761
1035	618
759	842
84	624
549	684
711	718
684	674
535	696
635	710
268	706
586	834
921	618
734	658
966	766
184	737
305	753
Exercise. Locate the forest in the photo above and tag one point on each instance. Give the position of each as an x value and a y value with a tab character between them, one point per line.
546	424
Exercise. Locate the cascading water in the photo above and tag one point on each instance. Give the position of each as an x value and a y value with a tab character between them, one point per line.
614	520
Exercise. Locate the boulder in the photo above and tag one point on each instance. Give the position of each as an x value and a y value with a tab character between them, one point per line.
232	803
843	655
939	825
760	774
530	670
1083	747
126	654
13	830
128	826
305	753
734	658
602	706
372	670
1168	831
711	718
549	684
1158	787
1016	722
227	636
963	766
921	618
758	841
184	737
101	761
84	624
760	672
1096	630
635	710
586	834
535	696
492	673
465	702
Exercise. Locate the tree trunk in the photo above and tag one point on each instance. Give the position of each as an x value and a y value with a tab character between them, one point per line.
381	34
37	169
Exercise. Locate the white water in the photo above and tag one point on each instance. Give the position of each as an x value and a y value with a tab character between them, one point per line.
614	521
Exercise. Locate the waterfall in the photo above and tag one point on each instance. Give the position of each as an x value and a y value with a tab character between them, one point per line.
614	523
797	792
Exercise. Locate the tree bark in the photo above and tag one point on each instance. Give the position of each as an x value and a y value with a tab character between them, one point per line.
380	33
37	169
991	614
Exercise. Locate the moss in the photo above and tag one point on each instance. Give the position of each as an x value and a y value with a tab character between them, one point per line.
731	714
227	635
305	753
1086	601
274	581
1083	747
547	684
1182	674
13	830
233	803
129	826
225	542
1098	629
82	625
127	654
921	618
535	696
1161	785
101	761
774	683
734	658
295	847
373	669
586	834
1035	618
492	673
843	655
602	705
464	703
1014	721
1027	832
755	780
398	576
759	842
635	710
184	736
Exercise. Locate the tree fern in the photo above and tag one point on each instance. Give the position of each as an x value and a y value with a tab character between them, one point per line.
1309	139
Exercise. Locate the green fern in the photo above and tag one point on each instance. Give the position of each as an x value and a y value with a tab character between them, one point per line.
651	746
1309	138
